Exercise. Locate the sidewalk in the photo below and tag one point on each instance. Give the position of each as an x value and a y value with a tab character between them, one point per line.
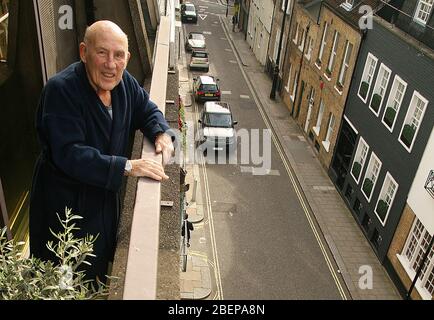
349	246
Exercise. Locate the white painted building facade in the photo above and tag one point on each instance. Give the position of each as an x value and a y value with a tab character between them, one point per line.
259	27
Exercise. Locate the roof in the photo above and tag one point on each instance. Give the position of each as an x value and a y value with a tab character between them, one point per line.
207	80
217	107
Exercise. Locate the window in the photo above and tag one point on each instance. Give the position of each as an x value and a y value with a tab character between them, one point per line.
412	121
301	41
4	19
276	45
289	78
309	47
347	5
288	8
317	128
323	44
380	89
371	177
295	39
333	54
294	88
394	102
423	11
368	75
411	258
345	65
330	130
385	200
359	160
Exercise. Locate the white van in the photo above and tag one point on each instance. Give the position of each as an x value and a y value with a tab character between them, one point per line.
216	130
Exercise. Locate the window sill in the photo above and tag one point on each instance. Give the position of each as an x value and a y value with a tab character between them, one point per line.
307	57
318	66
327	77
316	130
292	98
339	91
326	145
287	89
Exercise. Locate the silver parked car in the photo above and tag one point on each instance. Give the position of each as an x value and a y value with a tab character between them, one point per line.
195	40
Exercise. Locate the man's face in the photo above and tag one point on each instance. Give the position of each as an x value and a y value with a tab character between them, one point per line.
106	58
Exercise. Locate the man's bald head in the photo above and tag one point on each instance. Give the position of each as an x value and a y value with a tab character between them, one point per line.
103	27
105	54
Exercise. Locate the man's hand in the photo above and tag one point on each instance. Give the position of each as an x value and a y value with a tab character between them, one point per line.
164	145
147	168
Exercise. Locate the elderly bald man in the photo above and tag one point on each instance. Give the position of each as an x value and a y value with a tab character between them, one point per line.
85	116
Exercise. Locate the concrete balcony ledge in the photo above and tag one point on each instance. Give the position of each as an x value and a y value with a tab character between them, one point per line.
137	254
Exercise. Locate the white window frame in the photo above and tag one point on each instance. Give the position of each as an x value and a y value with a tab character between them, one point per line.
301	40
294	87
360	157
289	6
308	54
330	129
297	27
414	249
323	43
370	172
394	98
383	193
289	78
345	64
317	128
410	116
348	5
366	73
379	85
424	8
334	52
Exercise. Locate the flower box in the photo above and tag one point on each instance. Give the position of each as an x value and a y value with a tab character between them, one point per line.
389	116
408	135
367	187
382	208
357	167
376	101
364	90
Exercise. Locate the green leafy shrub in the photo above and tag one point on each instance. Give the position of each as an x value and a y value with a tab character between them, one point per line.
33	279
408	135
375	103
389	116
364	89
357	167
382	208
367	187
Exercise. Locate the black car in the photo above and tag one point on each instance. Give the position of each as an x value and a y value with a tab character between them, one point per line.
188	13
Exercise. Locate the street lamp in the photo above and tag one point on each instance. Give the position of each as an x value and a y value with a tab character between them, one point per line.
276	67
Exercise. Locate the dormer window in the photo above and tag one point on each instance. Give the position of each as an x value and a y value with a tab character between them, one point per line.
423	10
348	5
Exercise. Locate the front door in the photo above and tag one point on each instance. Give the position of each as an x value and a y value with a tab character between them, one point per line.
309	110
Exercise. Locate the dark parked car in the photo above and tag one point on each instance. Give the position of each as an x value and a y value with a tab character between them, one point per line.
188	13
205	88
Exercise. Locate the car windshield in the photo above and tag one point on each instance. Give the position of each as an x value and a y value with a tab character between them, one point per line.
199	55
221	120
209	87
189	7
196	36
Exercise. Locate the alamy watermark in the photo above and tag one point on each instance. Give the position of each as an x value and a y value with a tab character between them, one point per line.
366	281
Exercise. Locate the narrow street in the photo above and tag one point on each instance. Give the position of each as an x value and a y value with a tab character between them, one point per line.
262	240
